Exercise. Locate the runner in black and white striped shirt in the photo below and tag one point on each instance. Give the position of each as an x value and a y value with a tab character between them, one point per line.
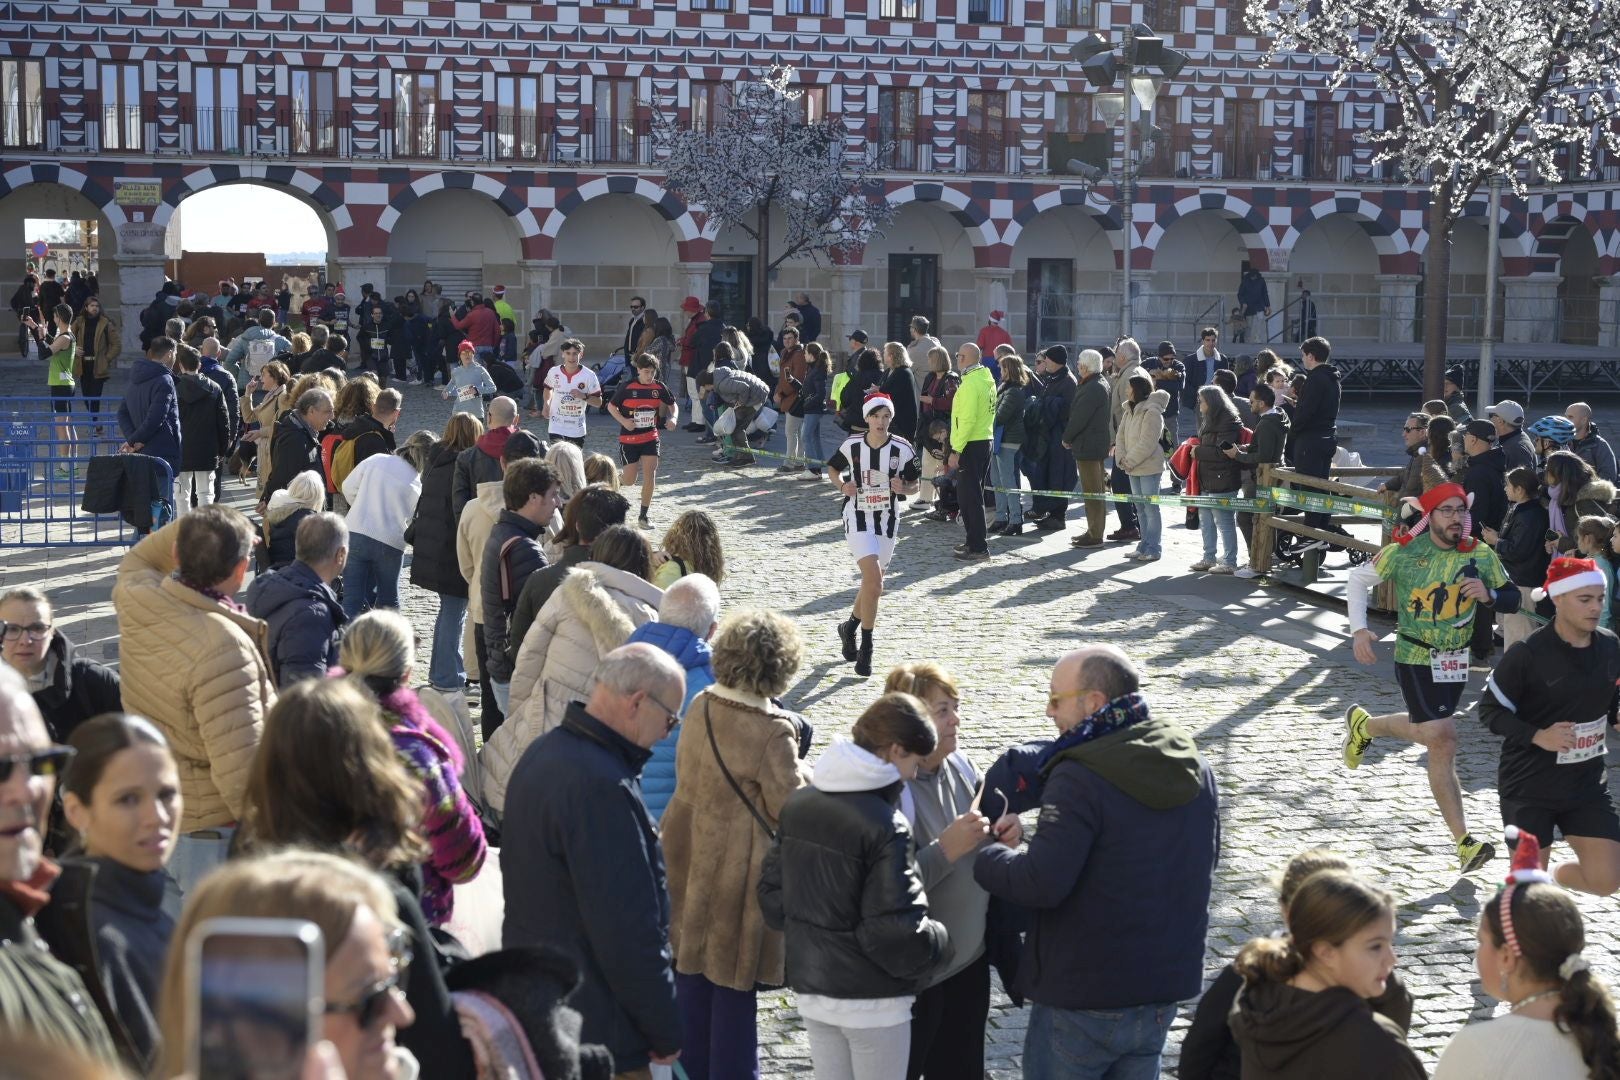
871	470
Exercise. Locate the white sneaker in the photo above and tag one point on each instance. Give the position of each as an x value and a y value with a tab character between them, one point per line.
1246	572
1201	566
1145	557
1222	568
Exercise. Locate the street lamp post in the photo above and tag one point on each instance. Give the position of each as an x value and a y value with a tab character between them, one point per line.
1101	63
1487	339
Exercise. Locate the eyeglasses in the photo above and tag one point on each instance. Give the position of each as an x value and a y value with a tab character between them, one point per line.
671	717
35	631
1448	511
369	1006
50	761
1409	430
1053	699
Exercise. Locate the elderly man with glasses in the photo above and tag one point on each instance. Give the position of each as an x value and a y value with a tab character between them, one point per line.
1128	810
584	872
44	998
1442	577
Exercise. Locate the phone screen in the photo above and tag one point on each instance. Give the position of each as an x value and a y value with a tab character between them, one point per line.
258	996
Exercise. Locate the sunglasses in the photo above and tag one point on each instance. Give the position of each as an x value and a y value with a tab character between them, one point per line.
370	1005
50	761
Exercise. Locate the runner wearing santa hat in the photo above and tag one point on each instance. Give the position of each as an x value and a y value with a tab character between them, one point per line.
993	333
1440	576
871	469
1552	698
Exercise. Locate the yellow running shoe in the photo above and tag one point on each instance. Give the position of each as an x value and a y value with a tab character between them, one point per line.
1356	739
1473	854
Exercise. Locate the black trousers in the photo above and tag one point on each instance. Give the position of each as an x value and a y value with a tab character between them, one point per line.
1120	484
490	717
90	387
1313	456
947	1026
972	465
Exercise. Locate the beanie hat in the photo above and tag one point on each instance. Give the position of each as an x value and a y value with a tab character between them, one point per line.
1166	348
1057	354
1428	502
858	335
466	346
1454	375
877	401
1566	574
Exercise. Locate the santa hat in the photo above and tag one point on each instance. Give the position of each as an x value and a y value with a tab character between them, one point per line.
1566	574
997	316
340	292
1524	870
692	305
500	290
877	401
1427	503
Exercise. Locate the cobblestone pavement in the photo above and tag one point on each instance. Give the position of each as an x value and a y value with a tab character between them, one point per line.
1259	676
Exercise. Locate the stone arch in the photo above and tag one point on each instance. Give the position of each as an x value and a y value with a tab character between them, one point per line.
306	188
1514	237
689	236
1248	222
974	218
1068	195
72	179
1381	228
1557	230
511	202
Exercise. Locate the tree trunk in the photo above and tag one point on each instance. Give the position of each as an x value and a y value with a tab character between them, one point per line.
1436	291
762	268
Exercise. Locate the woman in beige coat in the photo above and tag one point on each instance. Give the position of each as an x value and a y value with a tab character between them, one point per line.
1138	450
715	839
276	383
593	611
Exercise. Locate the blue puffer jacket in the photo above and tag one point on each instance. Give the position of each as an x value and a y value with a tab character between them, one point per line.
150	412
692	653
305	621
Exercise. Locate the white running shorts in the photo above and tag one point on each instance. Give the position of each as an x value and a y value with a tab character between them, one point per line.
862	544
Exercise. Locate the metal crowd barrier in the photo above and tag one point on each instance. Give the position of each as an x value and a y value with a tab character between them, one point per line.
44	458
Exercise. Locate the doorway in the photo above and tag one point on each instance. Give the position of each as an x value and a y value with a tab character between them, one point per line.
913	290
731	285
1051	303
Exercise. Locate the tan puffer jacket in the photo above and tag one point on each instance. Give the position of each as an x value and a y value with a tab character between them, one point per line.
1137	449
593	612
477	520
199	671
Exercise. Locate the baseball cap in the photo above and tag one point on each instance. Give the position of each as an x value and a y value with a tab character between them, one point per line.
858	335
1508	410
1483	430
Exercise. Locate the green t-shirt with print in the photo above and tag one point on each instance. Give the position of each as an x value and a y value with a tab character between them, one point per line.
60	371
1428	581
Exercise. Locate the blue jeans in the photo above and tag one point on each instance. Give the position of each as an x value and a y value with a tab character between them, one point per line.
198	853
1210	519
447	670
1004	470
720	1038
371	576
1095	1044
1150	520
815	455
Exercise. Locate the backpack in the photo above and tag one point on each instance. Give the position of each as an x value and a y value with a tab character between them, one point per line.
260	351
334	463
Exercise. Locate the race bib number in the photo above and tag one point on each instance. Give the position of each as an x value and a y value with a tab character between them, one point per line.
466	393
873	494
572	408
1588	743
1449	667
645	418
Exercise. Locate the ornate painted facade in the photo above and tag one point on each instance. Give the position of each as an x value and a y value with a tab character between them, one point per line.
480	144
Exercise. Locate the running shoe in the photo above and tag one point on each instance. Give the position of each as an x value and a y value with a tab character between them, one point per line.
1473	854
641	520
1222	568
846	637
1246	572
1356	738
1202	566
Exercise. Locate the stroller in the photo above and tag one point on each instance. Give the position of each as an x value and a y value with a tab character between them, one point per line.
611	375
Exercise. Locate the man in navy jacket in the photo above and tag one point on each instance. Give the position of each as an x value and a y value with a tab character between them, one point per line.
149	415
1128	811
583	871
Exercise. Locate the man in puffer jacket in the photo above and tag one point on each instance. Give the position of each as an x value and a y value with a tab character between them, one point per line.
594	611
746	394
149	415
512	552
687	618
304	617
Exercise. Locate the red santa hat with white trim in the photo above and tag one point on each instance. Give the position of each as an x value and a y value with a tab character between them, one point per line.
1427	503
877	401
1566	574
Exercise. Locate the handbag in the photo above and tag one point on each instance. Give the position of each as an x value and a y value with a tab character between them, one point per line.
732	780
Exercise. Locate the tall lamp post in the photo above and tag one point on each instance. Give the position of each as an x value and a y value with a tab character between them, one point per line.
1143	60
1487	340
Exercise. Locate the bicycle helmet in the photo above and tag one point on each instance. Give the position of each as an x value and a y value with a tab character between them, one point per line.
1555	428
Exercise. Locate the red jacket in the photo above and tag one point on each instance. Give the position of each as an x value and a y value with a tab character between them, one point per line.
482	326
689	342
990	336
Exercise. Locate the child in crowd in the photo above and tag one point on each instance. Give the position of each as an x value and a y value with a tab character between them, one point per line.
1593	538
470	385
508	354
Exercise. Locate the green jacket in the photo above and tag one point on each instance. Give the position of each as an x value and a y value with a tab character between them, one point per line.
973	409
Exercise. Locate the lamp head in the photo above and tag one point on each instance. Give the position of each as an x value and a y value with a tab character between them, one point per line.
1088	46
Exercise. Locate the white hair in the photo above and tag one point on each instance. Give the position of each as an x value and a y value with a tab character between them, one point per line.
502	411
692	603
306	491
568	462
1089	361
1128	352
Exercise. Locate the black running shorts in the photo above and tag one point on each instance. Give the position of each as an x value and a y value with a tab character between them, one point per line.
1589	817
1426	699
630	453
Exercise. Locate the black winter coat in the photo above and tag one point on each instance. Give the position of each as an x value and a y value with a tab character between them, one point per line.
1486	480
708	335
840	881
1317	413
205	423
304	621
1217	473
295	449
900	383
107	922
432	533
473	466
282	547
1522	544
502	581
1010	402
80	689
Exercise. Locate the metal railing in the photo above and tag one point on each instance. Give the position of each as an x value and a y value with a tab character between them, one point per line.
44	460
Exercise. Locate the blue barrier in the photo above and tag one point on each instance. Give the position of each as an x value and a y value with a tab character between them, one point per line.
44	459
